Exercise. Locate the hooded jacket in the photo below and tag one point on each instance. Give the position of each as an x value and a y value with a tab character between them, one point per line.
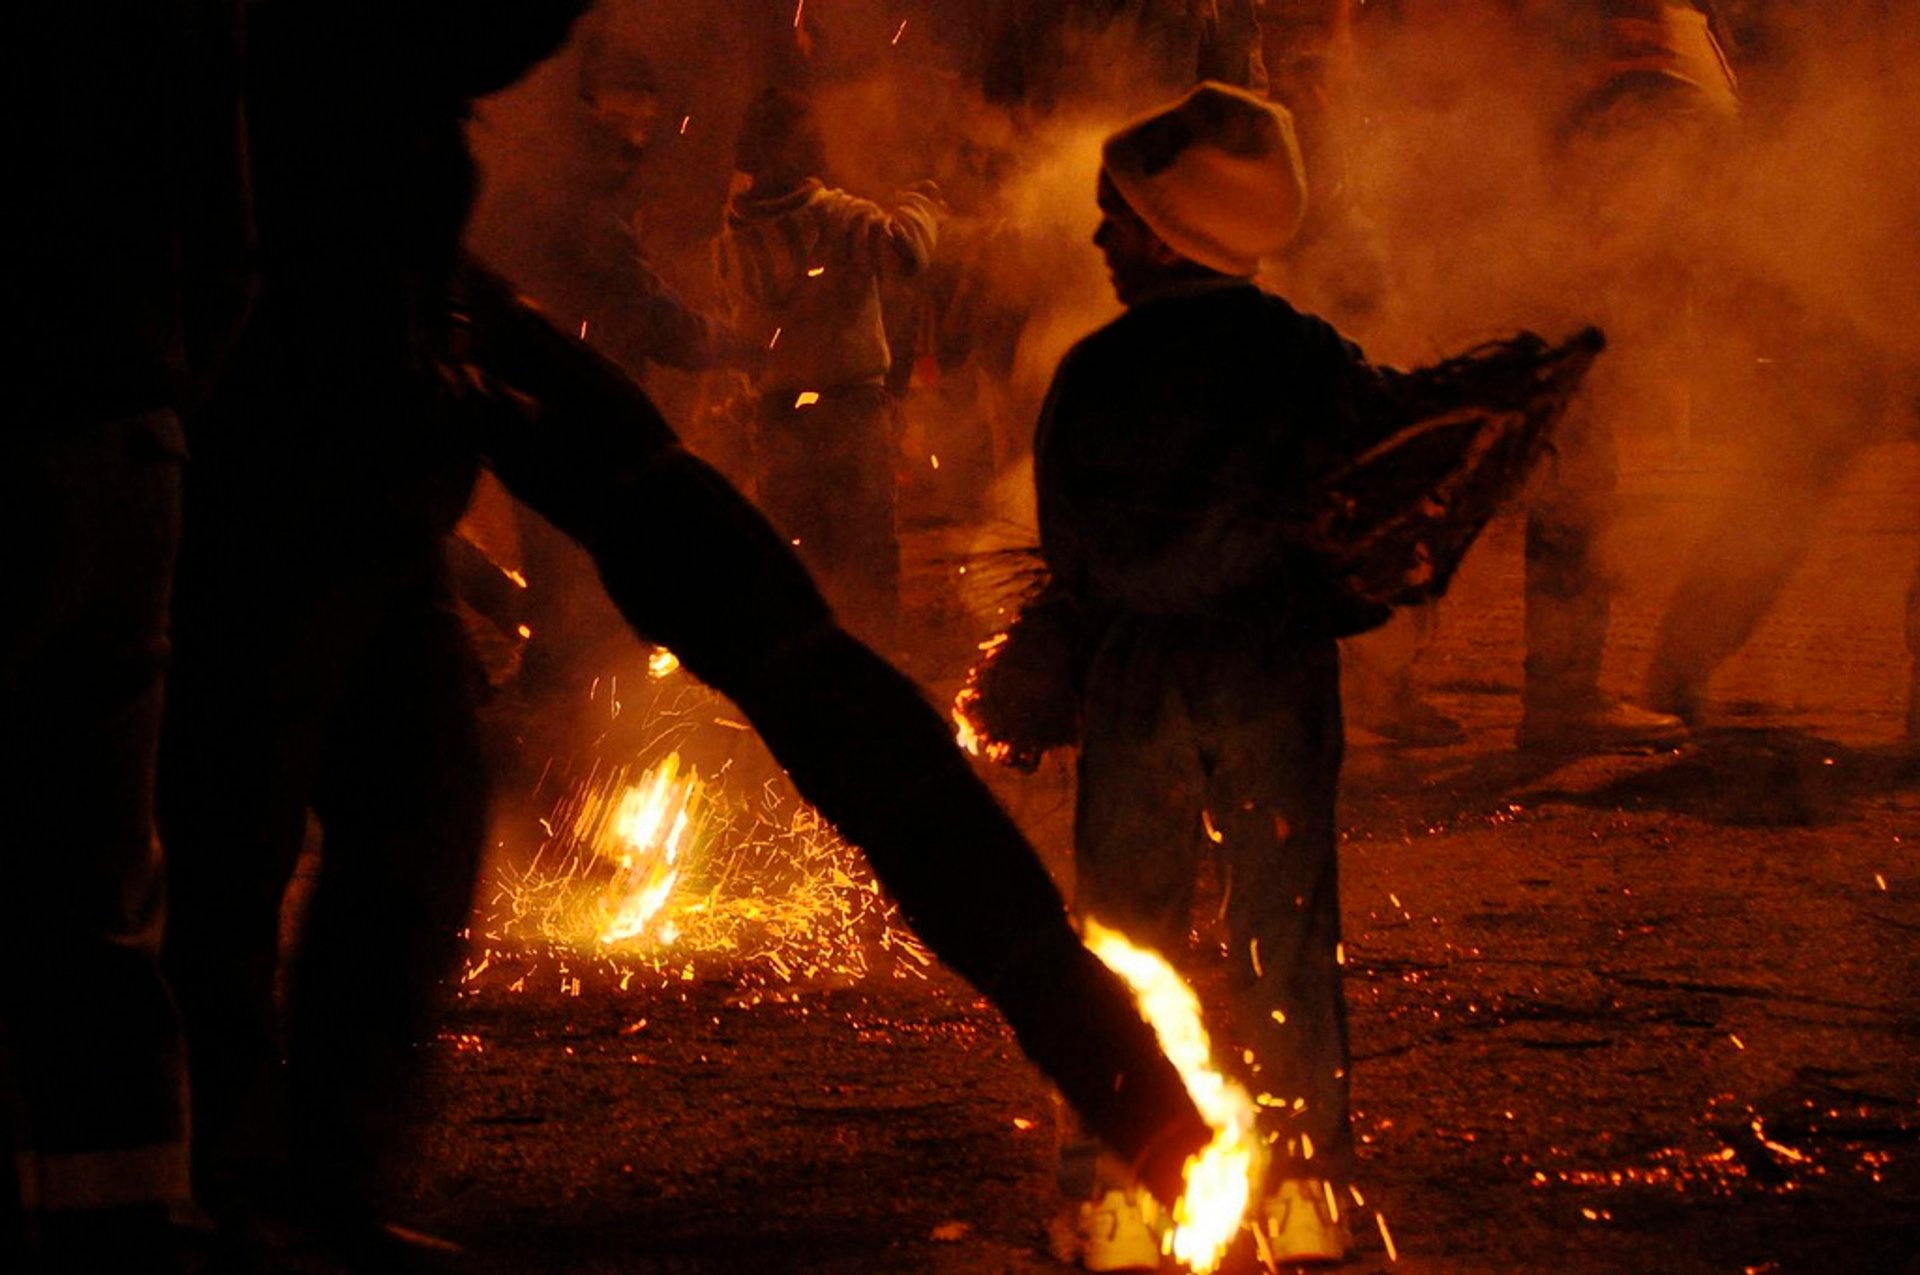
801	272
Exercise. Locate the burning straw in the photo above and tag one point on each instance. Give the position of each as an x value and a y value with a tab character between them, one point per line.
1218	1183
652	868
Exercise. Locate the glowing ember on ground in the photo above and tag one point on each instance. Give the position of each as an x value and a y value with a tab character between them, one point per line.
1219	1181
648	871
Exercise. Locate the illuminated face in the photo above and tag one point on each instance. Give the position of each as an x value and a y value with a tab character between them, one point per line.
1137	259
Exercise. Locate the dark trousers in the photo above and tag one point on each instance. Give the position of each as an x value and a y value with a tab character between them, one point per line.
826	480
1568	588
1220	736
91	1066
315	673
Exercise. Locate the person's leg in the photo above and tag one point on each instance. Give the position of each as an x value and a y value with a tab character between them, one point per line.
91	1058
1913	656
402	806
1807	415
1273	751
839	500
870	532
1569	603
269	627
1136	831
1568	595
1757	541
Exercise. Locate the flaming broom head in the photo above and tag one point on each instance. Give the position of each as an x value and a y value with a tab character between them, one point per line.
1218	1183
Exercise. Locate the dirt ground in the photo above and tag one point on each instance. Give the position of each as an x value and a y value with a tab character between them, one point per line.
1654	1013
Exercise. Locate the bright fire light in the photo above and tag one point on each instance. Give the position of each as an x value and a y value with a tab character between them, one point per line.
1218	1183
650	871
648	830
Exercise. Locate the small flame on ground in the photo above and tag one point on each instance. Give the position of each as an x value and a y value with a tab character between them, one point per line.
648	868
649	829
662	663
1218	1183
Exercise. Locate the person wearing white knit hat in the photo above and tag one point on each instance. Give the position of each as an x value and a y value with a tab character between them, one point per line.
1210	706
1216	176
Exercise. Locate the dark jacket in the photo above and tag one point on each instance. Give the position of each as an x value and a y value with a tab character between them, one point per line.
1174	452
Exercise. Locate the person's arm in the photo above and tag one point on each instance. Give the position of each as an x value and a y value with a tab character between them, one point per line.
857	738
893	243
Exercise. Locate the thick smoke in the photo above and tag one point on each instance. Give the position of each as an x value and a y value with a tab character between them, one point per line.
1757	271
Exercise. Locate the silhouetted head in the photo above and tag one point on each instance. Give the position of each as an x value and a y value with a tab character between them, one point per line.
780	144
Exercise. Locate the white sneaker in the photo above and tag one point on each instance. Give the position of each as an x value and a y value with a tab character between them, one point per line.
1302	1222
1121	1232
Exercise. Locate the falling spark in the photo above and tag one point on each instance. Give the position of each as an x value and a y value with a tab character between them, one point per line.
798	9
684	121
1737	1042
807	399
524	631
776	338
934	459
583	329
897	34
1386	1236
519	581
1213	833
1253	955
1218	1182
1022	1123
816	271
1880	881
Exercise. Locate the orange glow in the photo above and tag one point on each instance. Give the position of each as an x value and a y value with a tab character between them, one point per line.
650	828
1218	1183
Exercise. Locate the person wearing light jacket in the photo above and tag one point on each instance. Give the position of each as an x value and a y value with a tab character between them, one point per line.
801	264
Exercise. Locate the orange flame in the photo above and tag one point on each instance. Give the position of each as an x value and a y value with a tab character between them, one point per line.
1218	1183
648	830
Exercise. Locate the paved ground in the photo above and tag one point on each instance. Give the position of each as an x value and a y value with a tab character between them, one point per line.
1651	1014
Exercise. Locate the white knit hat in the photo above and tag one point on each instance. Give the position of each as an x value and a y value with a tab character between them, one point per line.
1217	175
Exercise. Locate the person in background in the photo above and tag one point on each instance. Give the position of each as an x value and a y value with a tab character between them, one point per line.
1649	114
130	266
801	264
322	672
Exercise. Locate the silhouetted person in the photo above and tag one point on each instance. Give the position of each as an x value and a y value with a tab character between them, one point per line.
127	268
322	670
1211	706
1652	107
801	264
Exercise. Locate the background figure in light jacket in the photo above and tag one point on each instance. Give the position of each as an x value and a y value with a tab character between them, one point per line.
800	264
